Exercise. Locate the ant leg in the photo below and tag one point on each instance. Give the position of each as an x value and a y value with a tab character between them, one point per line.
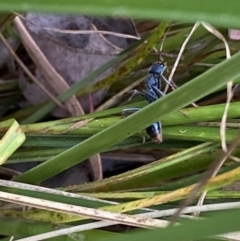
149	97
135	92
160	93
168	82
128	111
146	95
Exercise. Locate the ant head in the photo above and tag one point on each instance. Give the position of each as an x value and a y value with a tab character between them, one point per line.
157	68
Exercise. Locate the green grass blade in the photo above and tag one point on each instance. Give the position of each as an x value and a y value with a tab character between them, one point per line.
23	228
11	141
193	179
127	179
214	11
148	194
194	115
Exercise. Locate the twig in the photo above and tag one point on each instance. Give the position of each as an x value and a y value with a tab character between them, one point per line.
81	31
80	211
215	32
196	25
179	57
